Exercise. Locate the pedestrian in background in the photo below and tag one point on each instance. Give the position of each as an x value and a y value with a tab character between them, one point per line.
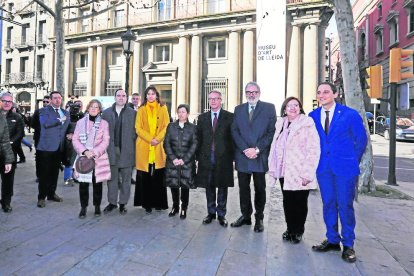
215	155
121	151
15	126
151	125
91	139
252	130
343	142
54	122
180	145
293	159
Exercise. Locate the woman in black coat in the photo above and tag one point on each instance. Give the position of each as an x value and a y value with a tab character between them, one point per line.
180	144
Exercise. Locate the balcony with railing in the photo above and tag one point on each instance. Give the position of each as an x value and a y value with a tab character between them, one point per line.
39	77
23	43
42	40
19	78
8	45
164	11
79	89
303	1
111	87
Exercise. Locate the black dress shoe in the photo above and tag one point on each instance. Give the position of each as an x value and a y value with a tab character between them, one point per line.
223	221
41	203
97	211
295	238
173	212
209	218
183	213
148	210
55	198
7	209
258	226
241	221
122	209
325	246
109	208
348	255
286	236
82	213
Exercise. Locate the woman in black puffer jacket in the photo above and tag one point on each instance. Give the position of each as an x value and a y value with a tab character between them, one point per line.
180	145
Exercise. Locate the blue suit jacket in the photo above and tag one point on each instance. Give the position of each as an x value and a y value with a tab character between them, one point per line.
52	131
255	133
343	147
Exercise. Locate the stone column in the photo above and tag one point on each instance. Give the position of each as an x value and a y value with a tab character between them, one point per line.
234	70
99	69
136	68
310	66
195	87
322	53
294	67
248	58
89	85
182	71
67	74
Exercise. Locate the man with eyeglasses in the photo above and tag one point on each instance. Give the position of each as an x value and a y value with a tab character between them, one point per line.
35	124
15	125
252	130
215	155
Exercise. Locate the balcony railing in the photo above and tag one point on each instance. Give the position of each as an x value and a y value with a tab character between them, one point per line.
19	78
111	87
39	77
24	42
42	39
8	44
79	89
302	1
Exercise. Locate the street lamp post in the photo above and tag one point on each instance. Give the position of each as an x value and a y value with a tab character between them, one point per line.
128	39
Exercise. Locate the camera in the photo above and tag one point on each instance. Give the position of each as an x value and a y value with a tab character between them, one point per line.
75	112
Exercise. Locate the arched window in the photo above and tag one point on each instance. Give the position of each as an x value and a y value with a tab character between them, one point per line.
392	20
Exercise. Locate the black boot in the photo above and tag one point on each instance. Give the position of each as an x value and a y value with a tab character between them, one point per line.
82	213
97	211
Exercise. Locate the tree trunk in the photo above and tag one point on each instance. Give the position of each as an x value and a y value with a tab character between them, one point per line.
60	48
352	86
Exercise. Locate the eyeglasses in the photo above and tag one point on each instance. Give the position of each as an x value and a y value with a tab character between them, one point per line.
291	106
6	101
252	92
46	102
214	99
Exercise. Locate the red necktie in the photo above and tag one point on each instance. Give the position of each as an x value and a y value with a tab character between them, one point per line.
327	123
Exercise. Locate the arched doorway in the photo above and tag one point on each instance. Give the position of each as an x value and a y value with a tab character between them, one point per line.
24	100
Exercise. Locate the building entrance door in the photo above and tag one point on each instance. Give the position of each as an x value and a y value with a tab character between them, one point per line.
166	95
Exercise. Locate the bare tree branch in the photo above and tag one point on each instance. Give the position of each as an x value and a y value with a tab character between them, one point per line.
43	5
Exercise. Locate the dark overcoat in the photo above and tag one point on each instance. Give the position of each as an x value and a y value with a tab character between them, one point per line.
224	150
180	143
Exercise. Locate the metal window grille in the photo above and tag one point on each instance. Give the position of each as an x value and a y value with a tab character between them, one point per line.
79	89
220	85
112	87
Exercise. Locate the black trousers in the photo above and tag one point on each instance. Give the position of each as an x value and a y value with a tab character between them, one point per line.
19	150
7	183
84	192
259	195
185	195
295	205
48	164
216	198
150	191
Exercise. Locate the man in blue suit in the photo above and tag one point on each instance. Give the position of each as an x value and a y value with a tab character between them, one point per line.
252	130
343	142
54	122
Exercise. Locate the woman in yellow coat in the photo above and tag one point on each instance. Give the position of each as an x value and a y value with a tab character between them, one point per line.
151	124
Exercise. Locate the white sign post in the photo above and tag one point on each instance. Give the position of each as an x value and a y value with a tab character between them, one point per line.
270	51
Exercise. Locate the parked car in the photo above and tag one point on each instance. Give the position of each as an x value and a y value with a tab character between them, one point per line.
404	128
370	119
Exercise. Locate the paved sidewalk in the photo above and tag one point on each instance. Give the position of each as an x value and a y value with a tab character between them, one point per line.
53	241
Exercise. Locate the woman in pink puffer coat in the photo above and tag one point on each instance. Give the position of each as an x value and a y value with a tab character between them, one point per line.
293	159
91	139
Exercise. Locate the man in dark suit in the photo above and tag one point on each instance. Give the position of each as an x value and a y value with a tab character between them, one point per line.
252	130
343	142
15	125
54	122
215	155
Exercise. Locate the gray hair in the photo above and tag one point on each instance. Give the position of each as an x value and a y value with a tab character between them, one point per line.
6	94
253	83
215	91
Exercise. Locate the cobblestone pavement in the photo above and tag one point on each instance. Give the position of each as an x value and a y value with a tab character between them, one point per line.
54	241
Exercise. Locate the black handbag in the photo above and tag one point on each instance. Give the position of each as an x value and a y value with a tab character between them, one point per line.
84	165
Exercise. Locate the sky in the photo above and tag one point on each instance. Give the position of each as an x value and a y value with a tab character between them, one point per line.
331	30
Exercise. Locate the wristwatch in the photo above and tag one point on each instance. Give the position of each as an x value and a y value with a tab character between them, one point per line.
257	151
